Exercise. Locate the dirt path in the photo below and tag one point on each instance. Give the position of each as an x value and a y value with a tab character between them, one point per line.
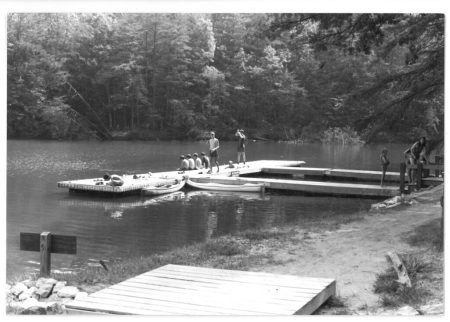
355	253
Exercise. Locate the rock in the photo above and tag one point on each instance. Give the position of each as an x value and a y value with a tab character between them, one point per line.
51	281
40	282
81	295
29	283
52	298
18	289
8	289
434	309
54	308
407	310
59	286
30	303
35	310
68	291
28	293
45	290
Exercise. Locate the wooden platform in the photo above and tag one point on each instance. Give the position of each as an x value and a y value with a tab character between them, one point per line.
334	173
334	188
188	290
134	186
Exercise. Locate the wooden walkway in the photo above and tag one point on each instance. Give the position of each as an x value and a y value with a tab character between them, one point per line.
314	187
188	290
336	173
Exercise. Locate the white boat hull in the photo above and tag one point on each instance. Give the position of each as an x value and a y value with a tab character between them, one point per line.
154	191
246	187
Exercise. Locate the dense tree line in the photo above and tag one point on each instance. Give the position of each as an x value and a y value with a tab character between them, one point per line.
281	76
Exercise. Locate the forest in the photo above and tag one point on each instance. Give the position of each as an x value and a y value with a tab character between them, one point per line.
298	77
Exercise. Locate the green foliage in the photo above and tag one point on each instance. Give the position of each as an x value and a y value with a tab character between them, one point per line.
341	136
283	76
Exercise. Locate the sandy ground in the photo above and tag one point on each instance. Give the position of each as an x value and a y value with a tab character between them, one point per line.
355	253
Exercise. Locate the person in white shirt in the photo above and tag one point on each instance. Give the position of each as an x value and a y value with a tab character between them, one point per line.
191	162
197	162
213	147
184	164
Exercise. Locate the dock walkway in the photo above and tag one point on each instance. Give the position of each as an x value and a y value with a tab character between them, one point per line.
188	290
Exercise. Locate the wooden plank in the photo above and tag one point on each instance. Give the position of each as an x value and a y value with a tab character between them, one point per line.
207	270
247	278
242	292
329	172
229	281
113	309
318	300
221	288
196	300
45	253
59	244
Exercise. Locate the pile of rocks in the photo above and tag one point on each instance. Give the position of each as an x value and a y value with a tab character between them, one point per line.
44	296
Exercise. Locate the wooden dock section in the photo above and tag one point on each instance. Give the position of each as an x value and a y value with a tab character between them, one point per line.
334	173
188	290
335	188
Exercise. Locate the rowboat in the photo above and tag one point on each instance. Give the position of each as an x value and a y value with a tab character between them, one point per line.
246	187
153	191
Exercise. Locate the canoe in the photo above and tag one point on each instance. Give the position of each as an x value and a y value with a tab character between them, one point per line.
153	191
247	187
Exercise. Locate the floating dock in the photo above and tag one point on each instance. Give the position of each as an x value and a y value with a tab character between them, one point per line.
134	186
188	290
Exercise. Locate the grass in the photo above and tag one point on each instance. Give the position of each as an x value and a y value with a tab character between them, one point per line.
239	251
425	270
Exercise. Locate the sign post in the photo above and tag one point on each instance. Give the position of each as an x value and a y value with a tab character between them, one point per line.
46	243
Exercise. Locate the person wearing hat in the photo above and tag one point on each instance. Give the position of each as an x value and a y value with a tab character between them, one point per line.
191	162
205	161
184	164
241	146
197	162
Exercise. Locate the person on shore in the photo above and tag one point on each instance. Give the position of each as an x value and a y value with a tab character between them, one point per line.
241	146
384	164
197	162
205	161
213	147
191	162
413	156
184	164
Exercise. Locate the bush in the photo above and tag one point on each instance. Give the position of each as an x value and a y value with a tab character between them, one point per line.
341	136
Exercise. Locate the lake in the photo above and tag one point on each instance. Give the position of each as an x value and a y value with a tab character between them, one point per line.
111	228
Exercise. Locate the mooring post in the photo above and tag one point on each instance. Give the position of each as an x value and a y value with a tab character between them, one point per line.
263	190
402	177
46	249
419	175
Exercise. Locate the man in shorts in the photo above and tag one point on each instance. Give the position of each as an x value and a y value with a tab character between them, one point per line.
241	146
213	147
413	156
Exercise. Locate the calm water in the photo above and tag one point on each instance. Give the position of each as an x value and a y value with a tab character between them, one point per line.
108	228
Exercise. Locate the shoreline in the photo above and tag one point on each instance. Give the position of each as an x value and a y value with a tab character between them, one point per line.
351	251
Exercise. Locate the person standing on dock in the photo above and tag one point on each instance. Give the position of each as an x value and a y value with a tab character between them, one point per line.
384	164
241	146
191	162
184	164
413	155
213	147
205	161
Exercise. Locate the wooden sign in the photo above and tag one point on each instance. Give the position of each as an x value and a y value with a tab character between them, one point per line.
46	244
